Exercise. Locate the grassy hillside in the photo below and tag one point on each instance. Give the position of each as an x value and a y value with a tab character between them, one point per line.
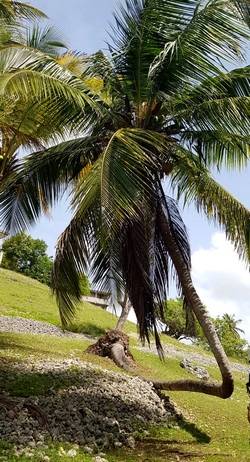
22	296
212	429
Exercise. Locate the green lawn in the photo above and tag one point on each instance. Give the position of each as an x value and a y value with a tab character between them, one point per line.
211	429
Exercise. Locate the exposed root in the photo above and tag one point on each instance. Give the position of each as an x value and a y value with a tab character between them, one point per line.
114	345
36	412
8	405
16	406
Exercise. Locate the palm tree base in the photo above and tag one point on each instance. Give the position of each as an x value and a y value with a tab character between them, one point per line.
114	345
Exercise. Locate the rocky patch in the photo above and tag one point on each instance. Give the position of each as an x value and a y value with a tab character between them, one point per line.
102	412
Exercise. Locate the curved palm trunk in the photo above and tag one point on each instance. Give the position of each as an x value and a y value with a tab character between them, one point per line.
126	306
224	389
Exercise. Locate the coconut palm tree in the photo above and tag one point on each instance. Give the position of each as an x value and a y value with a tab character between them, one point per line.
13	16
231	324
15	12
160	104
17	112
25	119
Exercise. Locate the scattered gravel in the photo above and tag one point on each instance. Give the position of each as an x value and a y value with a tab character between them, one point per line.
170	351
29	326
102	411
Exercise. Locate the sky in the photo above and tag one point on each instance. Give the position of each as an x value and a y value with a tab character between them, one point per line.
221	279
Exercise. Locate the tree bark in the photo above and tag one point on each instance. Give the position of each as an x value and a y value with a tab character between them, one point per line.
114	345
118	355
126	306
224	389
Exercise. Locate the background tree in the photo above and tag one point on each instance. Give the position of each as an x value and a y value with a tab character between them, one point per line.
229	323
125	310
23	254
14	17
25	121
229	334
178	324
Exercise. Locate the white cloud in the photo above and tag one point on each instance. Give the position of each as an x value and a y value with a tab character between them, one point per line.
223	281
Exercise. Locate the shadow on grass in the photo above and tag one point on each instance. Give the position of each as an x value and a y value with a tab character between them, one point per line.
25	385
8	342
192	429
200	436
20	383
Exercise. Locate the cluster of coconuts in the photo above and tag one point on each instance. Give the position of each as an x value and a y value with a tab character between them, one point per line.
167	167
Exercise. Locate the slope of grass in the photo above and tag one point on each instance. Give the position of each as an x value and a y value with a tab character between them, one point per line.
28	298
210	430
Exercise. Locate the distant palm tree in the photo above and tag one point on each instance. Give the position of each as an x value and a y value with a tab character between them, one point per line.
160	104
231	324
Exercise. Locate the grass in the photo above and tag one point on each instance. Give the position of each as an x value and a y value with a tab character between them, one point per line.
211	430
54	452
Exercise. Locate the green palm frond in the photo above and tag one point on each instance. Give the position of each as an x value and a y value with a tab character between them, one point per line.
140	35
99	66
243	8
21	204
214	119
13	20
214	34
12	11
27	123
196	185
63	162
47	174
42	178
39	77
71	259
48	39
123	173
131	50
80	250
165	45
6	171
220	103
218	148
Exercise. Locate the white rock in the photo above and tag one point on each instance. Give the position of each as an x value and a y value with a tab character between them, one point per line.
99	459
88	449
71	453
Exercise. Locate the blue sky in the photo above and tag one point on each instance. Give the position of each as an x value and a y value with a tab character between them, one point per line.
221	280
85	22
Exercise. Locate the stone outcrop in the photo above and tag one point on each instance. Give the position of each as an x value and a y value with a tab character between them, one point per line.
199	371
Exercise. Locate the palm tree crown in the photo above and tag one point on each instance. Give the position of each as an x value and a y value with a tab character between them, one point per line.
160	103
